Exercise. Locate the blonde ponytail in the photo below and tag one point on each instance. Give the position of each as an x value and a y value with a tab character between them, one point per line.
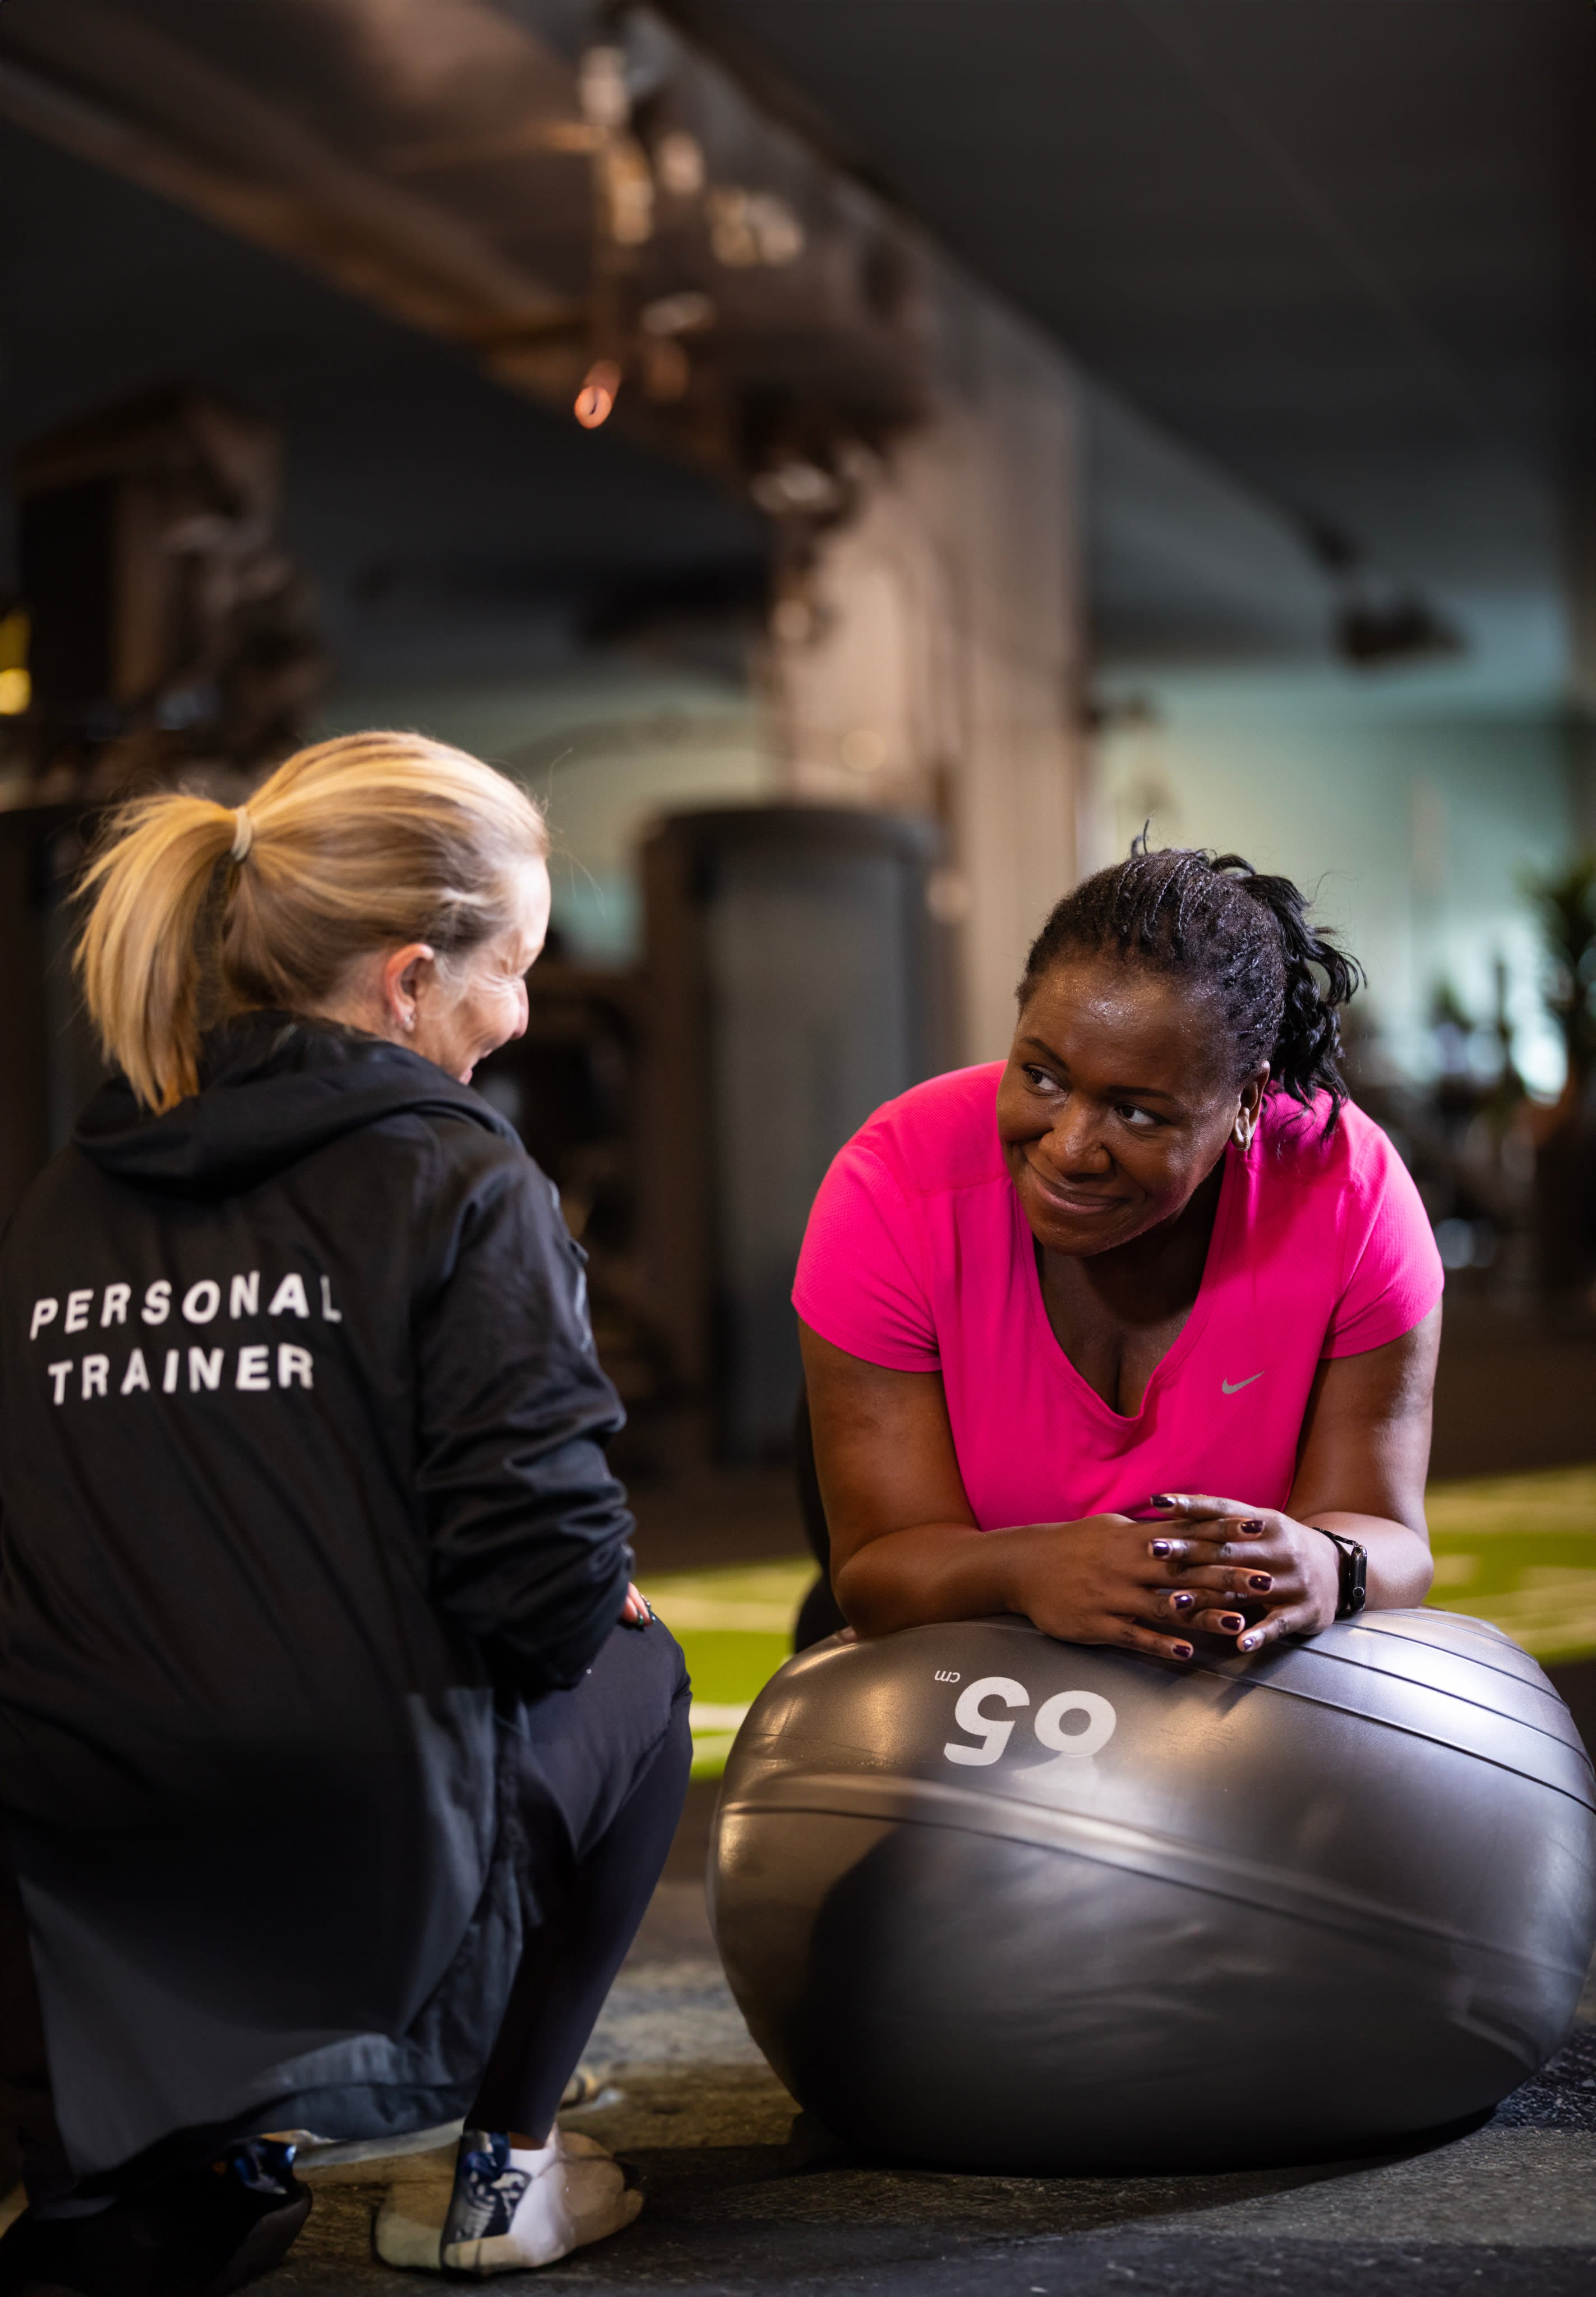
370	840
135	958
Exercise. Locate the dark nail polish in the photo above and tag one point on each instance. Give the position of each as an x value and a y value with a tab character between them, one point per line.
1161	1547
1181	1650
1250	1642
1250	1529
1181	1602
1262	1581
1232	1623
1161	1499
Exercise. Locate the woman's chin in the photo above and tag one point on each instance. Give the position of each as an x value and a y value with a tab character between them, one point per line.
1088	1225
1076	1240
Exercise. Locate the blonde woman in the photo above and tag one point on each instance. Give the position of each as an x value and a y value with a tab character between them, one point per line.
331	1793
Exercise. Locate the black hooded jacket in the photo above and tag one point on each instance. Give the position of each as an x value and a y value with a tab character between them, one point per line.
301	1469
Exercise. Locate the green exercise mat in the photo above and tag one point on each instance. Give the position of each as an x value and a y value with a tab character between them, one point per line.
1520	1551
736	1627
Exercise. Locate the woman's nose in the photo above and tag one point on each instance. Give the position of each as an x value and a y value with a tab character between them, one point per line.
1075	1143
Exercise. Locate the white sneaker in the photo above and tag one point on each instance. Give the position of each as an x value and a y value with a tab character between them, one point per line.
506	2211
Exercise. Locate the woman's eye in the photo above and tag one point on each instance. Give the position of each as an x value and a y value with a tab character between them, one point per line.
1142	1118
1043	1080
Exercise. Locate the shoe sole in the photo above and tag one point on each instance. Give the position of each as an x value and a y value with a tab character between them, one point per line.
410	2245
266	2245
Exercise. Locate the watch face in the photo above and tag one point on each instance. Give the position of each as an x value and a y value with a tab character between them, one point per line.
1354	1580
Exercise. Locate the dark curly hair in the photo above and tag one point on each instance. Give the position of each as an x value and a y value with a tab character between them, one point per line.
1241	939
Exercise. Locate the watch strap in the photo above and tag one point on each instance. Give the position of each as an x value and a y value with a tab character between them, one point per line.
1354	1561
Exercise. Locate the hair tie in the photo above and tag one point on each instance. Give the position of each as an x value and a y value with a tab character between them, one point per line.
243	833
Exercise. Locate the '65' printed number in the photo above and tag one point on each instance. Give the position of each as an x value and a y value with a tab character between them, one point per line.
994	1731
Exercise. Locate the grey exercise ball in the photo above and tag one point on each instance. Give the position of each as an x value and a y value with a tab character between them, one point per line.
993	1902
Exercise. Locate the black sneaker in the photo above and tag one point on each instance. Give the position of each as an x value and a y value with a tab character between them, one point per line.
200	2234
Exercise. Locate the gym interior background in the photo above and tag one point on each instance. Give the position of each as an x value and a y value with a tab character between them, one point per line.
858	471
860	460
857	479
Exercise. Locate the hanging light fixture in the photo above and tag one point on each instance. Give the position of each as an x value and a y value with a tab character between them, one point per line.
596	397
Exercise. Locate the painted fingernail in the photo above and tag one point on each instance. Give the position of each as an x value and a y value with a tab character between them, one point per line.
1250	1529
1249	1642
1162	1499
1261	1580
1181	1650
1232	1622
1162	1547
1181	1602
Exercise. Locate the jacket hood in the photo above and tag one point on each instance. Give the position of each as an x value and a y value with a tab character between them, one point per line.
273	1090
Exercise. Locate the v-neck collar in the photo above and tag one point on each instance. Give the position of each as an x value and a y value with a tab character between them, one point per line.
1169	1363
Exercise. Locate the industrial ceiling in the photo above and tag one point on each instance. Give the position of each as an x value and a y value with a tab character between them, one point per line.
1340	247
1344	246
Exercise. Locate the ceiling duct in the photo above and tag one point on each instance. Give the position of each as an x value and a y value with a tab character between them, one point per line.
616	224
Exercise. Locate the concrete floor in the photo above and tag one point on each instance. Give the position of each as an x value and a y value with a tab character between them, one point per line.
739	2200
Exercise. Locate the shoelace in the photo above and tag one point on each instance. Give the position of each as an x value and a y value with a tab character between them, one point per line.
486	2191
264	2166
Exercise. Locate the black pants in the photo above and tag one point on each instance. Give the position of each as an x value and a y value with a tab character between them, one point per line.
602	1771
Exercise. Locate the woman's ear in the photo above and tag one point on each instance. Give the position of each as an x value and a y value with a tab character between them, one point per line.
1251	1102
403	975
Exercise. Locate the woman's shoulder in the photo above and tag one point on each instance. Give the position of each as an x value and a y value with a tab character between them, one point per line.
1354	1216
1348	1179
939	1135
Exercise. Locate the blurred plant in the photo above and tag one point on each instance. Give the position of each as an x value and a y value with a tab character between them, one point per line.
1452	1025
1477	1068
1565	904
1510	1093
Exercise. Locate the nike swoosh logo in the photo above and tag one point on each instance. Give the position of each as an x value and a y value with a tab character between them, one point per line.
1234	1387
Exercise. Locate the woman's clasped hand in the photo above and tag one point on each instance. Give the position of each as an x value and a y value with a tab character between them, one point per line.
1219	1568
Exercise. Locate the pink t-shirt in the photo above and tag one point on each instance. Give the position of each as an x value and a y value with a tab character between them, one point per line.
918	1256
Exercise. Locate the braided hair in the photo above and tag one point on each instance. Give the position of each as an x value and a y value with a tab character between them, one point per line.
1243	940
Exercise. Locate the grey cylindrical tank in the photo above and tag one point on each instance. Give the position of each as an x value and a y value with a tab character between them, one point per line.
994	1902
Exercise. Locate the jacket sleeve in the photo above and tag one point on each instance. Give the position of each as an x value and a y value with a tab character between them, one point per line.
527	1526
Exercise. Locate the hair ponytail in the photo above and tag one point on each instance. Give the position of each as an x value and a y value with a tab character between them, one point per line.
1319	978
139	956
368	841
1243	939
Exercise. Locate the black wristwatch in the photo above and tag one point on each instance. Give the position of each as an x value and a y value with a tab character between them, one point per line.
1354	1573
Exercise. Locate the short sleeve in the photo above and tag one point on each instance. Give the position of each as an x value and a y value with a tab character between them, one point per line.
857	1284
1394	1276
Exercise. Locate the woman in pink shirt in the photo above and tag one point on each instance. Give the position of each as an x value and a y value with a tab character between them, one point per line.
1134	1334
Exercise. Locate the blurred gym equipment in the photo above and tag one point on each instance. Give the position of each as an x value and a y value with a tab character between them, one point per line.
797	980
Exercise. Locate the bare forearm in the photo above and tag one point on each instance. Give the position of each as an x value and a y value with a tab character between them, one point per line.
931	1572
1401	1565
